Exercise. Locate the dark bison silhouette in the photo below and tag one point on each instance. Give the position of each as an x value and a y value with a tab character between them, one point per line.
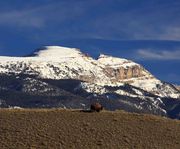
96	107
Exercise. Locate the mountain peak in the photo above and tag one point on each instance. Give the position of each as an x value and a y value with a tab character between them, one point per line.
57	52
110	60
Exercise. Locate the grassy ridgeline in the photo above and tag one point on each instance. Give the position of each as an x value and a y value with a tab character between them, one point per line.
57	128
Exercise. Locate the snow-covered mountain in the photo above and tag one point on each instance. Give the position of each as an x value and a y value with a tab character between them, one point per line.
107	76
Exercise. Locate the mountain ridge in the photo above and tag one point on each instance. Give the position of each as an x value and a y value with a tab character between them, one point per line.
106	70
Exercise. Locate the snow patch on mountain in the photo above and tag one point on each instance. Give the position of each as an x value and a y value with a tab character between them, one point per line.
57	52
92	88
114	62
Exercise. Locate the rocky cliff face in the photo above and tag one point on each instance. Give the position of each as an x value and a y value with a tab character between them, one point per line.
178	87
120	73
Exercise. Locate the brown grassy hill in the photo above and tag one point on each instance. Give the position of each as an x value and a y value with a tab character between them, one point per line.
55	128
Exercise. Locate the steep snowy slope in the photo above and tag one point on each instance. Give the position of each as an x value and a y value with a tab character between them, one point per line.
31	92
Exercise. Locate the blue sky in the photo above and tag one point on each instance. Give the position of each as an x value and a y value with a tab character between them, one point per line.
146	31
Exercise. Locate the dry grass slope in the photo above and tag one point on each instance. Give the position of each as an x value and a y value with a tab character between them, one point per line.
55	128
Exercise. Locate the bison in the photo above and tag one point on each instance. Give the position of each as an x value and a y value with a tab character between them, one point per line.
96	107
